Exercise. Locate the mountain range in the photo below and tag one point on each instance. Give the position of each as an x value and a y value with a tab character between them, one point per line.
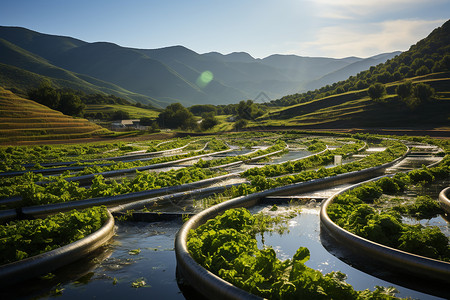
162	76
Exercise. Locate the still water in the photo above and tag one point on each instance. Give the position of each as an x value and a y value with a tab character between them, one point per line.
304	231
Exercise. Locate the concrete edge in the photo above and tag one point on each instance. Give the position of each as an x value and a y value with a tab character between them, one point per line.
42	210
444	199
235	163
49	261
143	203
112	173
400	260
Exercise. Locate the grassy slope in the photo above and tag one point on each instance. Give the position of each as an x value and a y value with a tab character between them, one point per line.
356	109
135	112
26	120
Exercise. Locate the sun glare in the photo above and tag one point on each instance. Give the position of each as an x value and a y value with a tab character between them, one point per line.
205	78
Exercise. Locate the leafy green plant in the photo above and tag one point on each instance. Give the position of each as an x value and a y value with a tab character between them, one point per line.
351	212
25	238
304	164
226	245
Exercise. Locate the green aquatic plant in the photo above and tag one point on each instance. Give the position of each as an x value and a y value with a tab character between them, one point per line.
226	245
351	212
140	282
25	238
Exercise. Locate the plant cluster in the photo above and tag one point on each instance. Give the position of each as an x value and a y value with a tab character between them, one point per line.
354	212
260	182
12	157
316	146
172	144
290	167
25	238
60	190
227	246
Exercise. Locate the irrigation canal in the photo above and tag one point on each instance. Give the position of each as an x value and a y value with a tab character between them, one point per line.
143	253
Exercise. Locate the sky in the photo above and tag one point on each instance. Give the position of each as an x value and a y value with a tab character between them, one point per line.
318	28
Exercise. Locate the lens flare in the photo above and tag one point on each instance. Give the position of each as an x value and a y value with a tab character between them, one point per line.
204	79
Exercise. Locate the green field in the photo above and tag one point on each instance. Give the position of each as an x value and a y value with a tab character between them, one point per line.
135	112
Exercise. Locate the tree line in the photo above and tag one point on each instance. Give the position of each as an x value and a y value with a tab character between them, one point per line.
73	103
412	95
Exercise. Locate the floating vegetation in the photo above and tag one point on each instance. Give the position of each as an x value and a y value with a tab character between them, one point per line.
134	251
138	283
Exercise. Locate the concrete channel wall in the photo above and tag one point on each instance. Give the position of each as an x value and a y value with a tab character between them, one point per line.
444	199
49	261
124	158
43	210
212	286
405	262
85	179
88	178
247	160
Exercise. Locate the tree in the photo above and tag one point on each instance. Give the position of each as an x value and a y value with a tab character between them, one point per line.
404	90
209	120
200	109
248	110
100	116
423	92
240	124
376	91
120	115
70	104
146	121
423	70
176	116
45	94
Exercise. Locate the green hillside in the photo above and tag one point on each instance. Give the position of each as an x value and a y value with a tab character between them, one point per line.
347	104
25	120
356	109
429	55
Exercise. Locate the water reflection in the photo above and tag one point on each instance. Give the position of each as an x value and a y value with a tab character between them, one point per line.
304	231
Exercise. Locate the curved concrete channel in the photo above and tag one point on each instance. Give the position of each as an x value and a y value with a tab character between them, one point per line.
210	285
407	263
444	199
61	169
49	261
39	210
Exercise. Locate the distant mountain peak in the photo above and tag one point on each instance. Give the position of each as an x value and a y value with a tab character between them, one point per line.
242	57
239	57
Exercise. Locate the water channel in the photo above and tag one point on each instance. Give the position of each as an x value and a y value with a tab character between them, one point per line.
143	254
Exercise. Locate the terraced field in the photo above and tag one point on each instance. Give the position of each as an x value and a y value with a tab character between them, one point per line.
26	120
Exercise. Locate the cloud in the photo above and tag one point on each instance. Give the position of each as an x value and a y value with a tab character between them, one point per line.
349	9
365	40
